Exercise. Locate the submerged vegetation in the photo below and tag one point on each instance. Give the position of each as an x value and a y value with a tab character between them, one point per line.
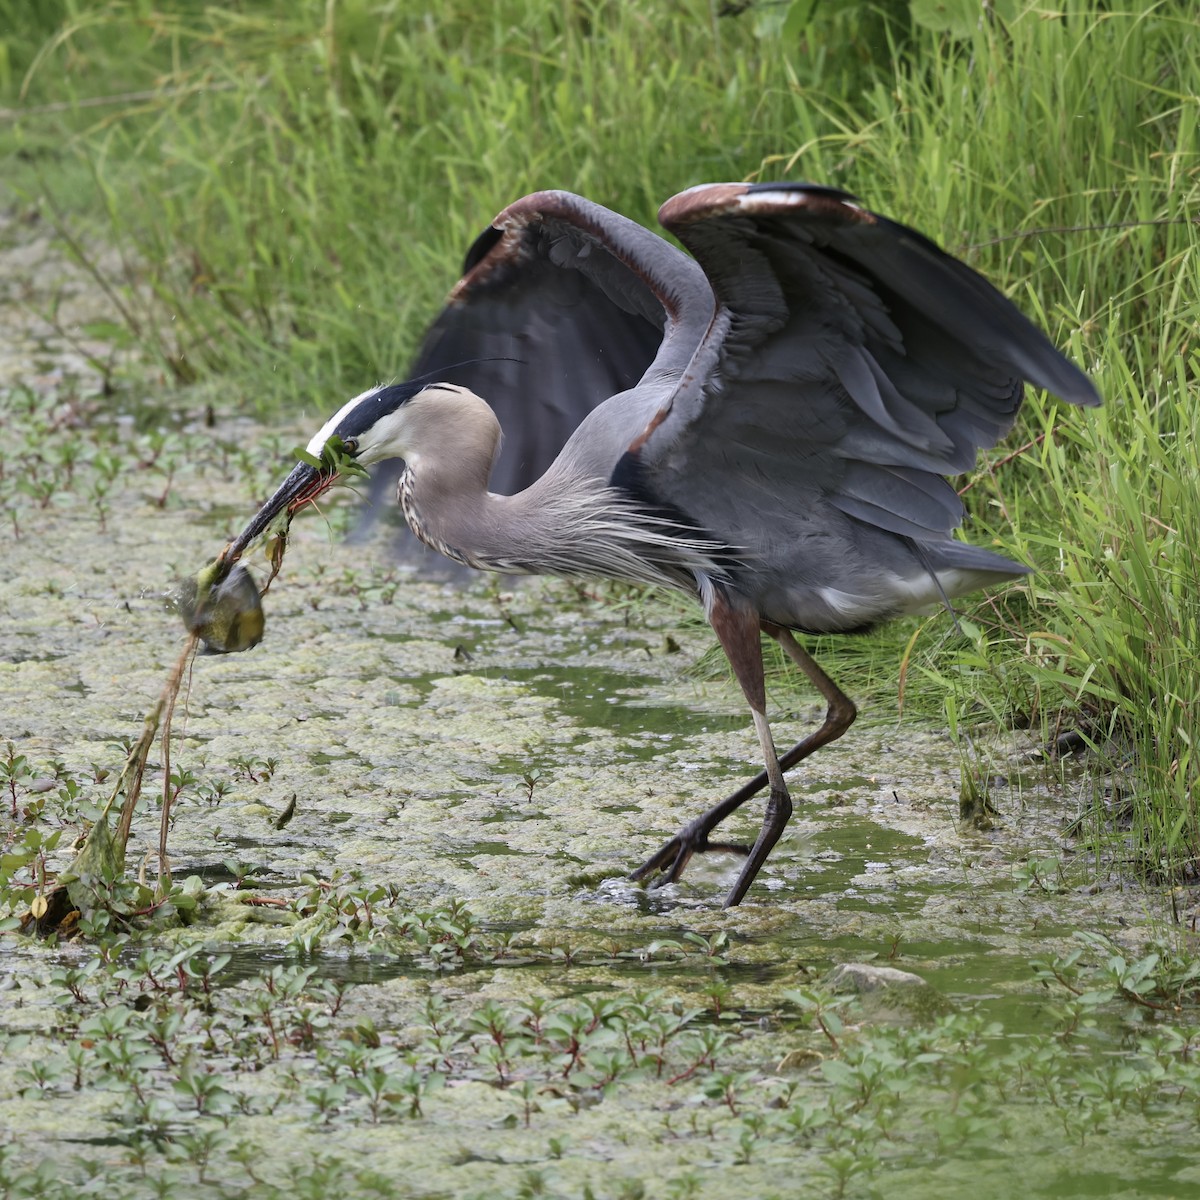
272	198
196	1065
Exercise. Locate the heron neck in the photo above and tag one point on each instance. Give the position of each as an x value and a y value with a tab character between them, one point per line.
448	506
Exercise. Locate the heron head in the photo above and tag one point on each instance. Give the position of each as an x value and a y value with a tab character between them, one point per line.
379	424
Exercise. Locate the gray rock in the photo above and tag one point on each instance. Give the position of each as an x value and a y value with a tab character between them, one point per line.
887	993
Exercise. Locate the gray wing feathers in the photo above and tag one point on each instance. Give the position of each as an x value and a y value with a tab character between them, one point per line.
858	366
879	399
905	500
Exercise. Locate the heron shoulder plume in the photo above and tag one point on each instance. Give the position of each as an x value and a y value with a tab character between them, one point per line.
596	532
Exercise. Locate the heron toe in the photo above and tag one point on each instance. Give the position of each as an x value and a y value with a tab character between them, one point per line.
691	839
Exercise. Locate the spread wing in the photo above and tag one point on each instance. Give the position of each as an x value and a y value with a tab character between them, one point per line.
562	304
851	365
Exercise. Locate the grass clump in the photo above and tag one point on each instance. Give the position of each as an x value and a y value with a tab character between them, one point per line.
1082	131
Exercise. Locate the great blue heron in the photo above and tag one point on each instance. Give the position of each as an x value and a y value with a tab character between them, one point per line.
768	425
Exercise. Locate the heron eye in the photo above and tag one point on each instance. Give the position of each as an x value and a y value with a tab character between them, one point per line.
350	445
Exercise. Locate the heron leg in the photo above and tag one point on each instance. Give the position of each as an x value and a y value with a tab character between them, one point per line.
674	856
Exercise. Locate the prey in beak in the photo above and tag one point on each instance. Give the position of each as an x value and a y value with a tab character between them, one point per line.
222	605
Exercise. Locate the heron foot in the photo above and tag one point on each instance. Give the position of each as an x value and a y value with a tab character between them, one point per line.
673	857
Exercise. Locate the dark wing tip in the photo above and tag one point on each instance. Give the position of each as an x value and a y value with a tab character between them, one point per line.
481	247
1069	383
1073	384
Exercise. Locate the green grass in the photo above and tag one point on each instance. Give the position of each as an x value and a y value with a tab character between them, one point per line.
302	185
297	187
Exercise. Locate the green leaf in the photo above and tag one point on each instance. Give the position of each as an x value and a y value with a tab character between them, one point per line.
960	18
783	20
